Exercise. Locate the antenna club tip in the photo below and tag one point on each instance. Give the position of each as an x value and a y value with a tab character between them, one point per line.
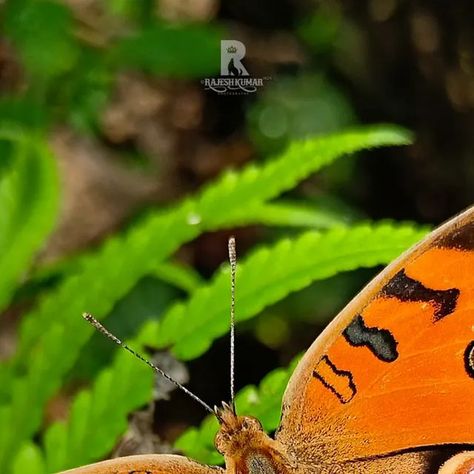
90	319
232	251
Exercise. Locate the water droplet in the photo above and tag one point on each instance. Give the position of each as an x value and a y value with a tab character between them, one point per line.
193	218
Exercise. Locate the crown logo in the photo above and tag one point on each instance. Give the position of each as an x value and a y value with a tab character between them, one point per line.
231	49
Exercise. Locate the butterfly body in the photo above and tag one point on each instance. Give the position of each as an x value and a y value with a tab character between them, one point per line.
387	387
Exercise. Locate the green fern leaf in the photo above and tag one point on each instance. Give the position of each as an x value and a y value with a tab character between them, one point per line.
295	214
118	390
229	200
185	278
270	274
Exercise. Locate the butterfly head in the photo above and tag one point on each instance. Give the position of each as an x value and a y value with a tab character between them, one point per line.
245	445
235	431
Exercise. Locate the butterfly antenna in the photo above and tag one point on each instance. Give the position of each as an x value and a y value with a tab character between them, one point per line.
88	317
233	265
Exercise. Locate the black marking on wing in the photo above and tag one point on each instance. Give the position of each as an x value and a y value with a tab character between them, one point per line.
469	359
405	288
380	341
341	373
460	237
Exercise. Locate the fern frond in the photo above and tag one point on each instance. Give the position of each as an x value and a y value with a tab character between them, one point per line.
237	192
184	278
295	214
271	273
52	335
99	416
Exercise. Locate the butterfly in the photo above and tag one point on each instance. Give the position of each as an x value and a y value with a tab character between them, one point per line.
388	387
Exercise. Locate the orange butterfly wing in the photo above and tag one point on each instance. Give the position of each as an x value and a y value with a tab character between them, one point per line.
147	464
395	370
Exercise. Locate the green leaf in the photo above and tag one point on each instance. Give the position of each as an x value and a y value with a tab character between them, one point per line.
271	273
42	32
85	93
236	194
21	112
148	298
29	193
179	276
190	50
123	387
131	11
29	459
262	402
296	214
44	357
323	30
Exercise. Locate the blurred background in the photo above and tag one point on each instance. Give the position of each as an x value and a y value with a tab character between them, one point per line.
117	87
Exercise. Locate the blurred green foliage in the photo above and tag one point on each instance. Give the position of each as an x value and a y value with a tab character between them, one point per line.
295	108
68	79
42	32
70	75
171	51
29	195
